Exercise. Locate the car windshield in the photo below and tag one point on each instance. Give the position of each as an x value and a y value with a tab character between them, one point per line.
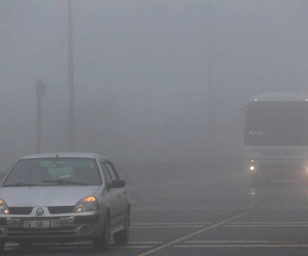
277	124
54	172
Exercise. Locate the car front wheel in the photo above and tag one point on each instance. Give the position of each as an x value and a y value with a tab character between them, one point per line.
2	247
122	237
24	246
102	243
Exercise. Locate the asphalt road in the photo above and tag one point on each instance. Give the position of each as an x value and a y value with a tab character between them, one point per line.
203	215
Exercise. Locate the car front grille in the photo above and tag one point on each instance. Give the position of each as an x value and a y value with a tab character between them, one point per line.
60	209
20	210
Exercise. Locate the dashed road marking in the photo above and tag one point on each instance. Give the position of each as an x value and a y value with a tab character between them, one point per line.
244	246
265	224
146	242
87	244
168	225
269	222
288	207
204	229
215	208
162	227
234	242
136	247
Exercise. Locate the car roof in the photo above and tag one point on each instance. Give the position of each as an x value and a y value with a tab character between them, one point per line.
64	155
281	96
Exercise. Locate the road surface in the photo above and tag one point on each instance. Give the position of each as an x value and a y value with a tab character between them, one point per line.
204	215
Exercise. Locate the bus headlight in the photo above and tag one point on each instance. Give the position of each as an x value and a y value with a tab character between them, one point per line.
252	168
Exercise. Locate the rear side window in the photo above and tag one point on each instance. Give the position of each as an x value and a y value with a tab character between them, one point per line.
113	173
106	172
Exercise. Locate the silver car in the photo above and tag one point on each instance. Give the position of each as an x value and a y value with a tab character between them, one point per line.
61	197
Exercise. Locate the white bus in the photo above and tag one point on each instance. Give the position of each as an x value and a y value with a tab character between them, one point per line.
276	137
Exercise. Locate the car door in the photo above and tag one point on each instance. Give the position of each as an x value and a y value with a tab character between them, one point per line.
120	192
115	194
123	191
110	195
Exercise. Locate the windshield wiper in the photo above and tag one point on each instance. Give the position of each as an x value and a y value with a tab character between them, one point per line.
19	184
65	182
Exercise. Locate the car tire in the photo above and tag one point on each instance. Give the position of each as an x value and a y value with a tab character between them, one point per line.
24	246
122	237
102	243
2	247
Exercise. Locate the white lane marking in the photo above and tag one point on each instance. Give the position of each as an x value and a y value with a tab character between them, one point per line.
112	246
243	246
169	226
170	223
288	207
265	226
84	243
233	242
240	207
268	222
73	245
204	195
204	229
146	242
135	247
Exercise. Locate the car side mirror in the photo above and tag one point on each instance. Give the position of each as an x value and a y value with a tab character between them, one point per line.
117	184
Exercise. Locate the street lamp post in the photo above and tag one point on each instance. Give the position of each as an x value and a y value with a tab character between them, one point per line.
71	97
40	91
211	95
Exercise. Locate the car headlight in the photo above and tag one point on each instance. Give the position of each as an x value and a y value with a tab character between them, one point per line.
86	204
3	207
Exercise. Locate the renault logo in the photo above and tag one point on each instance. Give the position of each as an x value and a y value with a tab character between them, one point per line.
39	211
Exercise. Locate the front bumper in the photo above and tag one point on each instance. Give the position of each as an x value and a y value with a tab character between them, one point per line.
286	171
70	227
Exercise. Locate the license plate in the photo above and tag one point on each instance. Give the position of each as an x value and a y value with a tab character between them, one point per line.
41	223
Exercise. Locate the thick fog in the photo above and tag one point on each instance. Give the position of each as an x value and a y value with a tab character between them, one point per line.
145	73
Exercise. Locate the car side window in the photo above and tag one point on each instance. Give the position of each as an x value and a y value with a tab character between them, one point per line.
112	171
106	172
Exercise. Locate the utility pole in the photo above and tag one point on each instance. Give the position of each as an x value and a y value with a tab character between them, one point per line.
71	93
210	90
40	91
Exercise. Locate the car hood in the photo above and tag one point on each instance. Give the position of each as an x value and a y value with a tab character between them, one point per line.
45	196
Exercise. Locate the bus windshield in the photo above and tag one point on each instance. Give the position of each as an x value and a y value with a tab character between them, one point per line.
276	124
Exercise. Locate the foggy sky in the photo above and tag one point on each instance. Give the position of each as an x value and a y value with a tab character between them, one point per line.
141	72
